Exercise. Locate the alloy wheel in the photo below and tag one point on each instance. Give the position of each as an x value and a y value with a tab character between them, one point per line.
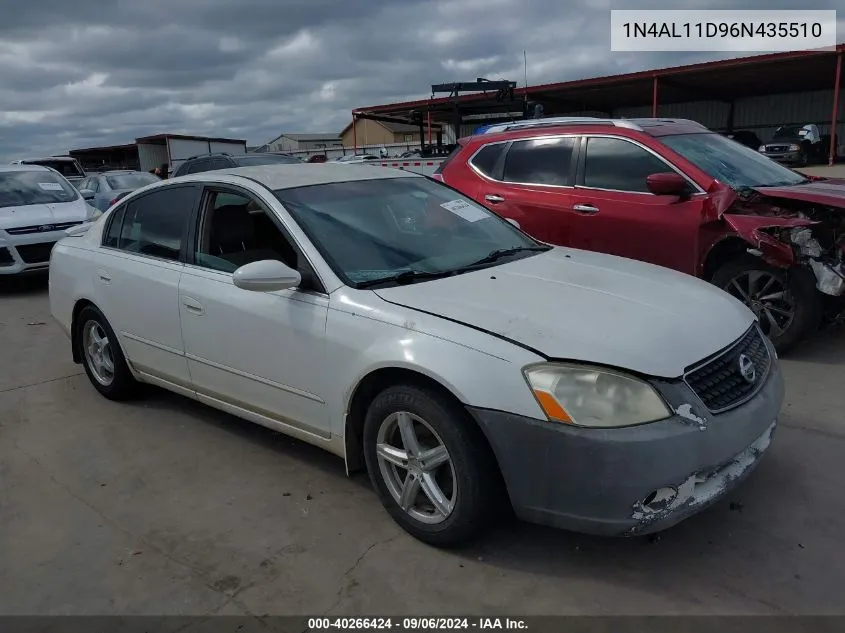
416	467
767	297
98	354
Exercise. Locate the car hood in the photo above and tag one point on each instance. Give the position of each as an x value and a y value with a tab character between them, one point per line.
38	214
569	304
828	191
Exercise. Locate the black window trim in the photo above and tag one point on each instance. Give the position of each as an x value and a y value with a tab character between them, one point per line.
582	158
498	170
309	273
121	209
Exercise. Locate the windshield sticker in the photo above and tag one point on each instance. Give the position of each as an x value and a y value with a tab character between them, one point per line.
50	186
468	212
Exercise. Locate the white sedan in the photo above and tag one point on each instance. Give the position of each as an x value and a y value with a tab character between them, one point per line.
37	205
400	325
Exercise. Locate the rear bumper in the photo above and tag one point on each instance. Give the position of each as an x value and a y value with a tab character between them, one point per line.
630	481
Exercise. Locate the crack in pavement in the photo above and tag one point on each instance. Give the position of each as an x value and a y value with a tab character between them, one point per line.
40	382
354	565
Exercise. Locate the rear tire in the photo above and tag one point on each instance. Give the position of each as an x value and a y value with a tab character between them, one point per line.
465	482
785	301
102	357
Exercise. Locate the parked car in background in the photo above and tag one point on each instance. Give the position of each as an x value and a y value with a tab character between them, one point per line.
745	137
65	165
355	158
104	189
317	158
796	145
398	324
222	160
673	193
37	205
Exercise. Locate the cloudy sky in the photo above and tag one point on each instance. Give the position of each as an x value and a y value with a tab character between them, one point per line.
83	73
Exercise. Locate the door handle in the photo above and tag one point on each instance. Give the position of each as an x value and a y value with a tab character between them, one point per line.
585	208
103	276
192	305
495	199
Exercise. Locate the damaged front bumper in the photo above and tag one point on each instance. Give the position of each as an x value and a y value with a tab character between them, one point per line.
634	480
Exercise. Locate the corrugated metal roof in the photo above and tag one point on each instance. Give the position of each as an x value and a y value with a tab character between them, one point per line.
187	137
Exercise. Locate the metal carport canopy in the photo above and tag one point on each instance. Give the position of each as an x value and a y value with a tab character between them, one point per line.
722	80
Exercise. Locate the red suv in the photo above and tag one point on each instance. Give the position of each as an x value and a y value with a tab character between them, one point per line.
673	193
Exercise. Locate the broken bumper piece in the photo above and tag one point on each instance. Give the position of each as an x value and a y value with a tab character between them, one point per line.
634	480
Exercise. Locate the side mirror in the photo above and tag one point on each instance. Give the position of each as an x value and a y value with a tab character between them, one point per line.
266	275
514	222
666	184
87	194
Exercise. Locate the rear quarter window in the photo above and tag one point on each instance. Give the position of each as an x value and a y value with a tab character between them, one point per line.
485	160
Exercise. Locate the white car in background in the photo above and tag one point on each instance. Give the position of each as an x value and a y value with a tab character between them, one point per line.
355	159
396	323
37	205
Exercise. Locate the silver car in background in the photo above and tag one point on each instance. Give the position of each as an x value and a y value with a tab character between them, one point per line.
104	189
37	206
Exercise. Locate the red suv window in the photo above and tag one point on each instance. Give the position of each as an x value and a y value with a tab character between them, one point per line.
540	161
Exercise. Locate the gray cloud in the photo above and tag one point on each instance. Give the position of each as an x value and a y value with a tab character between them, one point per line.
95	72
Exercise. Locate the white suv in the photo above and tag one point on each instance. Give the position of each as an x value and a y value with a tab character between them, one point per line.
37	205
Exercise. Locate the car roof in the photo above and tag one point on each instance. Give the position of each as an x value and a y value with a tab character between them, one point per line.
301	174
24	167
46	158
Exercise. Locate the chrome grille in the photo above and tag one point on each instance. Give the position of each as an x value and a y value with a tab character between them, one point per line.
719	381
777	148
41	228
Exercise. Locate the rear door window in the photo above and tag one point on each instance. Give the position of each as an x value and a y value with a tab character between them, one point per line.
156	224
541	161
618	165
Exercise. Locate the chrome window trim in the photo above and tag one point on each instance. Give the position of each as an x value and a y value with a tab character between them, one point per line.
515	140
587	136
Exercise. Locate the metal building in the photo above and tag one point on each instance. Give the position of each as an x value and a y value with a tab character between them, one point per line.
149	152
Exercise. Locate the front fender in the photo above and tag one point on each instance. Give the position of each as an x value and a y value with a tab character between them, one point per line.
774	252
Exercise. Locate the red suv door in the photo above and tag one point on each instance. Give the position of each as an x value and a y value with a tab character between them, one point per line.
529	181
614	212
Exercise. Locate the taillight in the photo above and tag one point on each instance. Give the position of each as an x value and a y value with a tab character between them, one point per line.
113	201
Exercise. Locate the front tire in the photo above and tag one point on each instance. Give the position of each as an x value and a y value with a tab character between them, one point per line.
785	301
430	466
102	357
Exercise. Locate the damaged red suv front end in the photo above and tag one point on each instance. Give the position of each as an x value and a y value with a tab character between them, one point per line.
676	194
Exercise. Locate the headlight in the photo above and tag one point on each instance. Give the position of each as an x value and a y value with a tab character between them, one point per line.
794	148
762	148
594	397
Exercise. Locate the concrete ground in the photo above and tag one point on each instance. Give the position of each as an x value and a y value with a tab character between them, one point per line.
168	507
829	171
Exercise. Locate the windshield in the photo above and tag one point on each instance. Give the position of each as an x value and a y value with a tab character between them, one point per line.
370	230
67	168
131	181
730	162
266	159
22	188
788	131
